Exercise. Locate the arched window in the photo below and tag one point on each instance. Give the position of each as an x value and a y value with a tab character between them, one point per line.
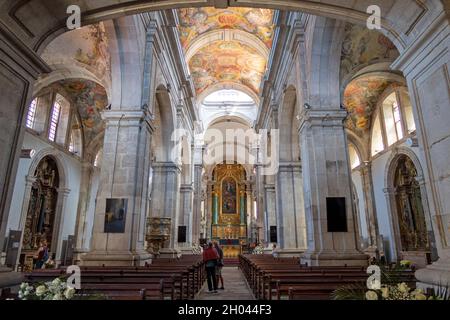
75	142
31	115
377	137
98	158
355	161
392	119
59	120
407	111
54	120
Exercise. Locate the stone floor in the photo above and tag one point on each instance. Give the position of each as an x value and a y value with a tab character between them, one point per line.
236	287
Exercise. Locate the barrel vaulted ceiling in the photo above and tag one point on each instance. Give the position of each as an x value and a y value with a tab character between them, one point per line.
226	48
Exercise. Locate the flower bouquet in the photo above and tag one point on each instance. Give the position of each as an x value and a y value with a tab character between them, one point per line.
53	290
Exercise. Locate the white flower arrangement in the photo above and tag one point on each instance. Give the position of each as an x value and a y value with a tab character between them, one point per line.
52	290
400	291
258	250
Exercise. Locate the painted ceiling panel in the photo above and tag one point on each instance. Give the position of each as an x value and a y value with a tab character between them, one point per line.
90	99
360	99
196	21
227	62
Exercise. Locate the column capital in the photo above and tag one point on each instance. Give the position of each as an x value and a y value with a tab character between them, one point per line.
186	187
289	166
29	180
64	191
123	117
166	167
322	118
365	167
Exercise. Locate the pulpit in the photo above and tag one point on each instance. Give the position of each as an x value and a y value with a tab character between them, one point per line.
158	232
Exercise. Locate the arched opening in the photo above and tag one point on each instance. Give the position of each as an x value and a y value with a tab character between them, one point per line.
39	224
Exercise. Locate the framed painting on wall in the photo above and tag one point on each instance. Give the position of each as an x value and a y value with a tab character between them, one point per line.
115	215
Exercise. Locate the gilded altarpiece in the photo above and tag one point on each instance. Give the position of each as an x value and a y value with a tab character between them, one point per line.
39	223
229	226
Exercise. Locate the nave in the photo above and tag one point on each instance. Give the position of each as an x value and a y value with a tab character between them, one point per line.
307	139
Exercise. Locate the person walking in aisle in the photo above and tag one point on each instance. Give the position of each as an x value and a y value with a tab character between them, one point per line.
210	257
219	265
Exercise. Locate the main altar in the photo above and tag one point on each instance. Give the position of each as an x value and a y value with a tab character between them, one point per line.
229	214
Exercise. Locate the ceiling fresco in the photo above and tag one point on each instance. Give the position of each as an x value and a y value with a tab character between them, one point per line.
227	62
362	47
86	48
360	99
90	99
196	21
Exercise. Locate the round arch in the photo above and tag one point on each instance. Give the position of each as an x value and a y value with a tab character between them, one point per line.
346	10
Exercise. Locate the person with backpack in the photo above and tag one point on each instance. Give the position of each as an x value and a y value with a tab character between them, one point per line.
219	265
210	257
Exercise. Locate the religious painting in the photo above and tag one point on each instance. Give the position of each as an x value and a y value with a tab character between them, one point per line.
115	214
197	21
229	62
229	196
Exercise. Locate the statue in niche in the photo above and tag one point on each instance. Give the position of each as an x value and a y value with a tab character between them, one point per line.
41	210
413	230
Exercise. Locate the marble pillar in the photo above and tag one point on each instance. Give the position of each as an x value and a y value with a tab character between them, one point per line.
270	216
83	204
425	64
185	215
326	173
124	175
197	203
166	200
370	208
290	210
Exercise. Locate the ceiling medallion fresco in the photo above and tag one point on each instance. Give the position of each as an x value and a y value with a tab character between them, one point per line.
361	97
90	99
196	21
227	62
362	46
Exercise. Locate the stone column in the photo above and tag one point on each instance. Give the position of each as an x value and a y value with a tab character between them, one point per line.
165	201
29	181
19	68
58	229
83	205
270	216
185	215
326	173
124	175
425	64
370	207
290	210
389	194
197	210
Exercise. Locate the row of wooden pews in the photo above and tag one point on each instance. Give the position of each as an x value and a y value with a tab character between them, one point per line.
286	278
178	278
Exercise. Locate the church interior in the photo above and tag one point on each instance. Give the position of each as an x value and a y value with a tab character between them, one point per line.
308	143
